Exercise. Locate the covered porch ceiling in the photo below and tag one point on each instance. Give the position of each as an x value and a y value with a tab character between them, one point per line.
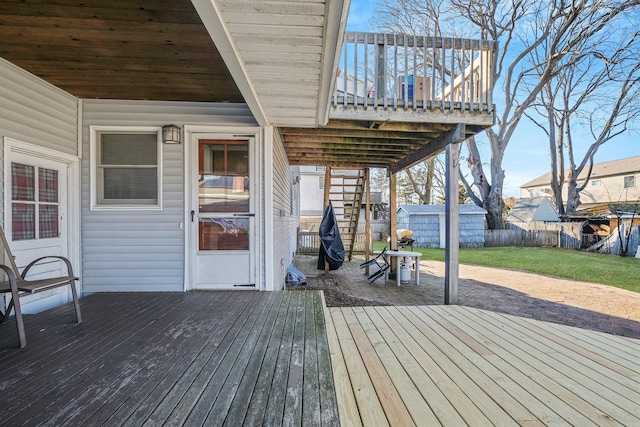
117	49
276	56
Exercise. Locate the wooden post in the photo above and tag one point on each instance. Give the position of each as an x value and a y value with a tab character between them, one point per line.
367	219
327	190
452	226
393	226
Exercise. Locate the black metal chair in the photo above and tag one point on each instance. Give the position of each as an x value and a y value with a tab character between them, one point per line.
18	285
381	262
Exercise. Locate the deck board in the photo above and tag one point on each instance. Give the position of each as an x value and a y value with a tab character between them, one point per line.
479	367
204	358
233	358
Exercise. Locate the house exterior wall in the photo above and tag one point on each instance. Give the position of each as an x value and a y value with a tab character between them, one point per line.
472	231
311	193
286	209
34	112
428	229
601	190
143	250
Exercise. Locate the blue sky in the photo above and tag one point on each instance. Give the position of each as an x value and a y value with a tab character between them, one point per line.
527	155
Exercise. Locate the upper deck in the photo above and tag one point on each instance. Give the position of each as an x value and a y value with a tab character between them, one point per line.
399	99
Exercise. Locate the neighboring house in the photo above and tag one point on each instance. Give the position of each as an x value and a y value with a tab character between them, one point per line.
617	181
528	210
312	188
427	223
163	134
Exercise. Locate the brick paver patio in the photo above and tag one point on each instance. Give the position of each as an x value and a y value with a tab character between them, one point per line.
585	305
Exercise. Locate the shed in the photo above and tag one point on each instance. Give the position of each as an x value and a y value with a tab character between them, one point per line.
532	209
427	223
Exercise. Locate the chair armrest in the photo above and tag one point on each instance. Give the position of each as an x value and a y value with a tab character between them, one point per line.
13	284
65	260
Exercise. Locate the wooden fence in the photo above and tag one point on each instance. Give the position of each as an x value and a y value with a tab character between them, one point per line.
519	237
309	243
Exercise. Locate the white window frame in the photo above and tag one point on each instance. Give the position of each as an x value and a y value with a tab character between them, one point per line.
95	132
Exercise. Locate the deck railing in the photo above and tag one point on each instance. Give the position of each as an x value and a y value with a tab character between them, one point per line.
400	71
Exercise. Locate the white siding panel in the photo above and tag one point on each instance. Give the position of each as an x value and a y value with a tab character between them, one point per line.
285	215
129	250
36	112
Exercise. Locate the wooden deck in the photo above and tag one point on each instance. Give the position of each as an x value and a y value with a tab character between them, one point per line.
454	365
199	358
251	358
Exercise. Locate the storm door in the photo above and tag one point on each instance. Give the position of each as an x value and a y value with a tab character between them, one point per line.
224	217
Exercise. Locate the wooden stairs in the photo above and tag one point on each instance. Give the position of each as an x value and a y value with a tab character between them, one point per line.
344	188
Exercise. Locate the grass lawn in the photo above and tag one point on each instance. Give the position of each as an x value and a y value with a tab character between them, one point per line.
583	266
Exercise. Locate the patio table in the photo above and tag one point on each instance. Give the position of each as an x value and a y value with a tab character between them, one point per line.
415	257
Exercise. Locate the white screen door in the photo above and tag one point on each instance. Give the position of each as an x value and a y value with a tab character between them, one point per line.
222	216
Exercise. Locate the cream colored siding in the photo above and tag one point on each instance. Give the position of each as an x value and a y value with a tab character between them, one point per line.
611	190
285	214
143	250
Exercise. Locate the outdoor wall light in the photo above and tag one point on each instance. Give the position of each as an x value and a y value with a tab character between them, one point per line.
171	134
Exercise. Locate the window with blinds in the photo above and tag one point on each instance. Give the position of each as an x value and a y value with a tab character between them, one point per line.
127	170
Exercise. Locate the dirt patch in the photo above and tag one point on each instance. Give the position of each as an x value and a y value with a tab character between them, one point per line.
334	293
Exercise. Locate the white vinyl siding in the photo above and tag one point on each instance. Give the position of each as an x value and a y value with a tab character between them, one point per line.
35	116
34	111
285	221
144	250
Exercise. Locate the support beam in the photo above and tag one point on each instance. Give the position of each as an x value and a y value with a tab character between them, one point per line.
367	217
327	191
452	226
455	134
393	217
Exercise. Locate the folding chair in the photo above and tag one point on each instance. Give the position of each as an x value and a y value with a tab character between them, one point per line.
381	262
18	285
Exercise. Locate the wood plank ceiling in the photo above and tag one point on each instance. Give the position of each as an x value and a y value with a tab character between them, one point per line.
360	143
117	49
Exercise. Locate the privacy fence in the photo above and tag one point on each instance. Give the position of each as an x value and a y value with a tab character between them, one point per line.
566	235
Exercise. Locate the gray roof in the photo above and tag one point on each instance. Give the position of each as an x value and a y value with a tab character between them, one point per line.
526	207
439	209
630	165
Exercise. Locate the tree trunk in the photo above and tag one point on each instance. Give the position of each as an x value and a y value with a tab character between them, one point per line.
573	197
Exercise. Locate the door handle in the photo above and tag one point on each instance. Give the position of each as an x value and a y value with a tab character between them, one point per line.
193	213
244	215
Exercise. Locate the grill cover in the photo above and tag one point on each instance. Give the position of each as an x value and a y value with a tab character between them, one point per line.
331	247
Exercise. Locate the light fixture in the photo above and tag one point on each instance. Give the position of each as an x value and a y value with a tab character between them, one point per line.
171	134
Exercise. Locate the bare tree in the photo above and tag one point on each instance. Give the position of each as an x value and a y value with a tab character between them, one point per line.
598	89
522	27
426	180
